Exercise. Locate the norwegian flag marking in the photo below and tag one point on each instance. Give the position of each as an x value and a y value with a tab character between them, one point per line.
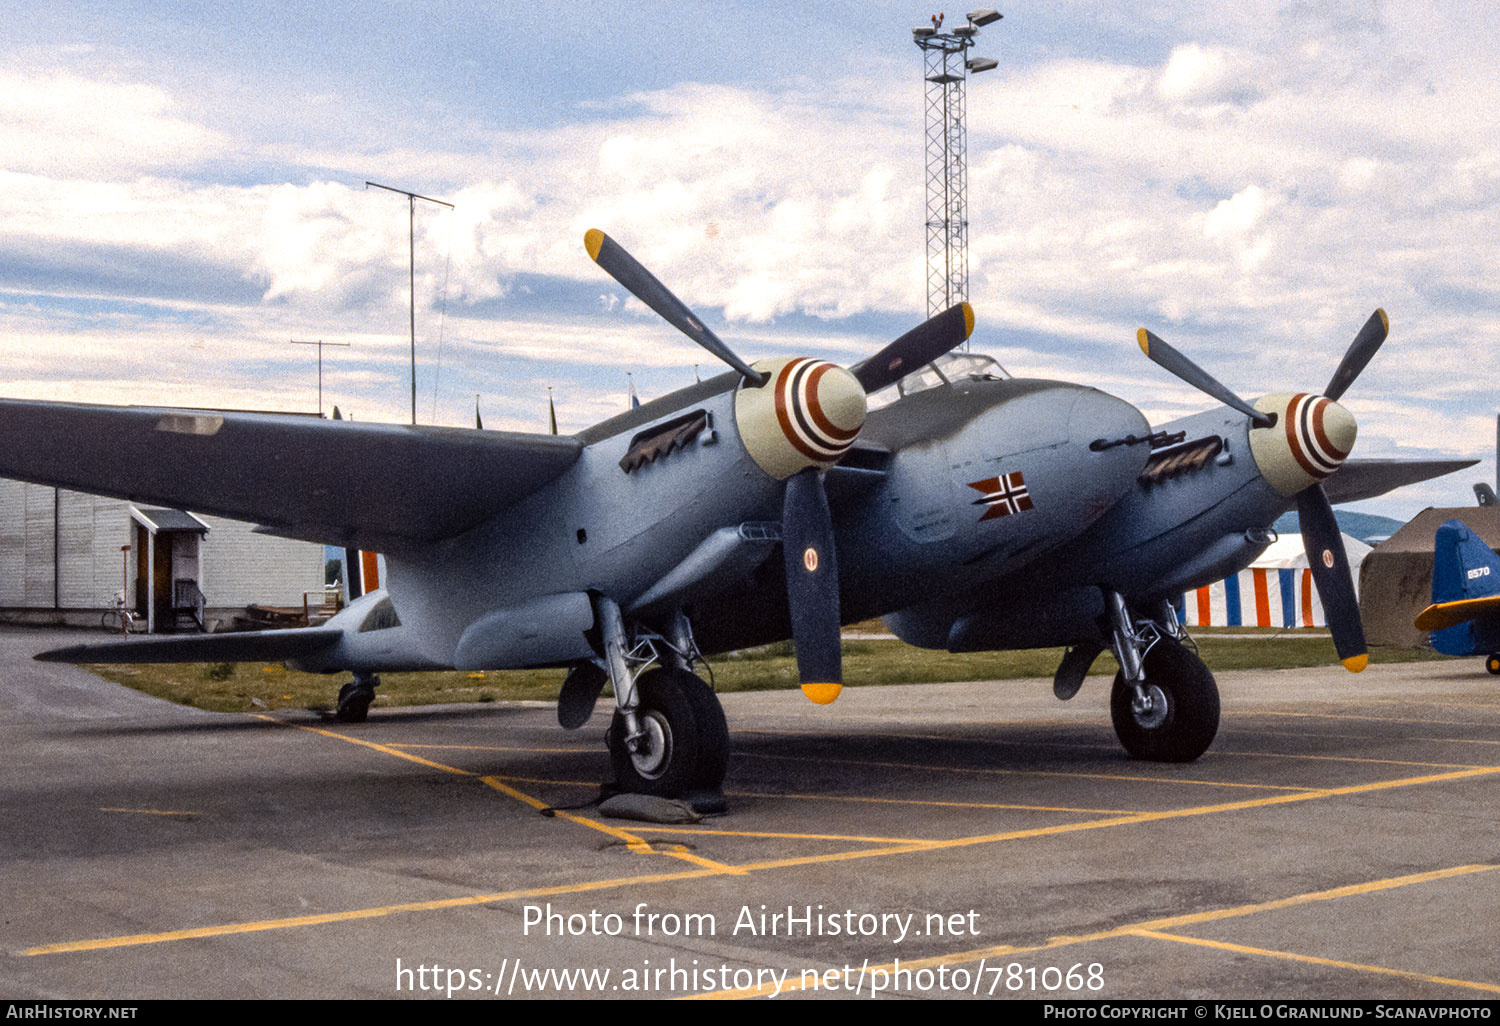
1002	495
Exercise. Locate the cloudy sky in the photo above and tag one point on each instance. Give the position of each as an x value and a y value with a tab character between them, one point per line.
182	193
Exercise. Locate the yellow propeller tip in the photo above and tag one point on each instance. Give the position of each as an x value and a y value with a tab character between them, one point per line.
593	241
968	319
1354	664
822	693
1143	339
1384	320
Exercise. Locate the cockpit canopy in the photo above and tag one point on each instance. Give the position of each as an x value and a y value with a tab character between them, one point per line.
948	369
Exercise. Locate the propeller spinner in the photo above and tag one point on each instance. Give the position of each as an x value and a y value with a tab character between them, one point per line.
1297	440
797	417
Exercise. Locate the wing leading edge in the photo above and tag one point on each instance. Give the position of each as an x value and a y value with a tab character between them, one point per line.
373	486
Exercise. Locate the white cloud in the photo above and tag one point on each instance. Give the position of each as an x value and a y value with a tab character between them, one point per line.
99	130
1252	193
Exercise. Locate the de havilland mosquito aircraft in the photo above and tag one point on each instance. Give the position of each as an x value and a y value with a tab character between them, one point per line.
772	501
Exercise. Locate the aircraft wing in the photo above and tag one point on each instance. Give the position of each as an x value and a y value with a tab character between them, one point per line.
1365	479
266	646
1443	615
374	486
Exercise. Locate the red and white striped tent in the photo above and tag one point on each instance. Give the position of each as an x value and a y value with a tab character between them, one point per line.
1275	591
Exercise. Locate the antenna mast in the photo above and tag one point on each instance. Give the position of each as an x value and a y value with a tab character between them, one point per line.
411	202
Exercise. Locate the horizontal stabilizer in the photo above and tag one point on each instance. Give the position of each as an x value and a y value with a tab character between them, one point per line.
249	646
1365	479
1442	615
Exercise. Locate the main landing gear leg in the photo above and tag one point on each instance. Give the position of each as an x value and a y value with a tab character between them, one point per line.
355	698
1165	703
668	737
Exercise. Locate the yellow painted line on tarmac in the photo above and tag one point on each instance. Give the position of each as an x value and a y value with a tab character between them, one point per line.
987	771
852	839
632	842
501	748
1457	740
1141	817
386	749
932	802
1407	703
1351	758
1171	922
681	851
467	901
591	784
1244	949
154	812
1383	719
922	847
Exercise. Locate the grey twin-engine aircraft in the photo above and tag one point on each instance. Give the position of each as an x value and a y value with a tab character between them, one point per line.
975	511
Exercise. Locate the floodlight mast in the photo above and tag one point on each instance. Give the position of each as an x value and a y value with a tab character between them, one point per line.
411	202
946	67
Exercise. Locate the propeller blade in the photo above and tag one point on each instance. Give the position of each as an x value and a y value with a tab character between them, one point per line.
1169	359
917	348
642	284
1330	569
1365	345
812	585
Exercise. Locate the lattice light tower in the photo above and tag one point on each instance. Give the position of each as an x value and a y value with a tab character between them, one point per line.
946	68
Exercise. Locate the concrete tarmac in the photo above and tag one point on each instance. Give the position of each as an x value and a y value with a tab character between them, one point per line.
1339	840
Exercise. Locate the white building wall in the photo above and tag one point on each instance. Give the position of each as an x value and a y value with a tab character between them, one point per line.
12	543
241	567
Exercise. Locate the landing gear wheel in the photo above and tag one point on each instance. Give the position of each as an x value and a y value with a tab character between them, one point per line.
1493	663
354	701
1184	713
686	743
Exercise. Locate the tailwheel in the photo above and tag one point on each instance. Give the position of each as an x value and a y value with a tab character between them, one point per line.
1493	663
685	742
1183	715
355	698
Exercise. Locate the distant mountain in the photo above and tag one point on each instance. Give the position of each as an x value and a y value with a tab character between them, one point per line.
1367	527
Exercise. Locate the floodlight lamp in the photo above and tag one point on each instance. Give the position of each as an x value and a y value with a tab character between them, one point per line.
978	64
984	16
966	31
921	32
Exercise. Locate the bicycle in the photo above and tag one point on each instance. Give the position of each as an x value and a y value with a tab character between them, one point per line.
119	619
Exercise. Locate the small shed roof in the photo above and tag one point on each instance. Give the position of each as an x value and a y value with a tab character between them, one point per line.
158	519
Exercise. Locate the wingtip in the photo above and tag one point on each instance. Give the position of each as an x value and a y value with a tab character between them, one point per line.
1356	664
593	241
1426	619
822	693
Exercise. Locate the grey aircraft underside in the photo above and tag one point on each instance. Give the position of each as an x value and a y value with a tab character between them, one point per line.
975	511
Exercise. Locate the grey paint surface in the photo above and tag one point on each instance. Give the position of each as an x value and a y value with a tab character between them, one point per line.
1320	781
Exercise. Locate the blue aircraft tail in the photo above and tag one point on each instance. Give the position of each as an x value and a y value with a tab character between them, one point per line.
1463	568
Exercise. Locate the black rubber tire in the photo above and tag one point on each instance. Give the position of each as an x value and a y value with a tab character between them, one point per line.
354	702
1492	663
1192	718
684	712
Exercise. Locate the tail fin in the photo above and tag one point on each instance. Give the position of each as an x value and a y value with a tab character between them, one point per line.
1486	495
1465	573
1463	567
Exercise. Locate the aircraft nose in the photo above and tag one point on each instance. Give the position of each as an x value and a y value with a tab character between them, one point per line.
1099	417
